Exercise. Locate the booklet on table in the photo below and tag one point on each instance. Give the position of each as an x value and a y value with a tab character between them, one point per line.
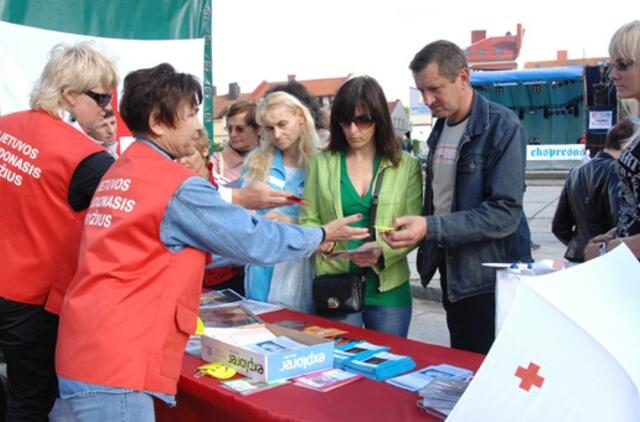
416	380
248	385
326	380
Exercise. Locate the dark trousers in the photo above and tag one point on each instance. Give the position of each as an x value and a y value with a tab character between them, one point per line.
28	340
471	321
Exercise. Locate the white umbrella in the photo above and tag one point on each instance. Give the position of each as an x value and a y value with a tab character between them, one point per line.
568	351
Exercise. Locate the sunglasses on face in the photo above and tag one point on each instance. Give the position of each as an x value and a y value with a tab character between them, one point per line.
363	121
239	129
620	65
102	100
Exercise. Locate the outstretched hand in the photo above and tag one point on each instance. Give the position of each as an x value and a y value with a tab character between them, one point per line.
258	195
409	230
339	230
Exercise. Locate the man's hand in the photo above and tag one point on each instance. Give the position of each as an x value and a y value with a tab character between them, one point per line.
592	250
367	259
339	230
258	195
410	230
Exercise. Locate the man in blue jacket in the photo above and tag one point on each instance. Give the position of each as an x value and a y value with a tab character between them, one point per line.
473	194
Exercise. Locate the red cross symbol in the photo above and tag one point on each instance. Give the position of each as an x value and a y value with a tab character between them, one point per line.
529	376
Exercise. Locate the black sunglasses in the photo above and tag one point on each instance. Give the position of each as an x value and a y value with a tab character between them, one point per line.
621	65
102	100
363	121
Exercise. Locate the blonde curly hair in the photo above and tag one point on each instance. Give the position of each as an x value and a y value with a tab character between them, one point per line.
76	68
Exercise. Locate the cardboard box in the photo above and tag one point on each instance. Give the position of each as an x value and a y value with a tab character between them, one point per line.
316	356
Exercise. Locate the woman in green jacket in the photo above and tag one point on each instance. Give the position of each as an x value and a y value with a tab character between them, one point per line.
341	182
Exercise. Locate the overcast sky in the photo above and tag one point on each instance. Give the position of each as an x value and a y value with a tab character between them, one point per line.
254	40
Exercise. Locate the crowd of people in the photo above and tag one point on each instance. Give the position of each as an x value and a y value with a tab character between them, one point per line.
106	255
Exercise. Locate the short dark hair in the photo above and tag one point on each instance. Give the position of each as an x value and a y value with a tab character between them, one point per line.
618	134
244	106
108	113
449	57
158	90
299	91
366	93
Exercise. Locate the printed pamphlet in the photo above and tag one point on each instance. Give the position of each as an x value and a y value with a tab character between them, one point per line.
326	380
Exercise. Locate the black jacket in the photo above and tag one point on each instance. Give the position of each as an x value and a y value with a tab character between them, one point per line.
588	204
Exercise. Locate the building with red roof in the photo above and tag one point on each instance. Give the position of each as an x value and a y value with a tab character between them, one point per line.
494	53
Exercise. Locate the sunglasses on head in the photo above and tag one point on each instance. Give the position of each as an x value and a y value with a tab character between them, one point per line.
363	121
102	100
620	65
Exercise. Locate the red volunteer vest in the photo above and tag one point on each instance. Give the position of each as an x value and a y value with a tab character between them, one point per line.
39	231
132	305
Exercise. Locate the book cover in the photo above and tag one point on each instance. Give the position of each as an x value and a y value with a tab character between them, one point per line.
324	332
274	345
228	316
219	297
326	380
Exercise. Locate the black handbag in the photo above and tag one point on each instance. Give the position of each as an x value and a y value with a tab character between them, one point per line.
343	293
339	293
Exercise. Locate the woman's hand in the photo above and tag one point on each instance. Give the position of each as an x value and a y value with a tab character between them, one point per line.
326	247
339	230
367	259
258	195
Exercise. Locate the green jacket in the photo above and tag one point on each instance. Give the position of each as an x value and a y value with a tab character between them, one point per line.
400	194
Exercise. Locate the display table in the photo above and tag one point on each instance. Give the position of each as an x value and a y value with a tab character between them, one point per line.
203	399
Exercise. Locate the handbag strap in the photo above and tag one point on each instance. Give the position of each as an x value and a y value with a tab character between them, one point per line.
374	205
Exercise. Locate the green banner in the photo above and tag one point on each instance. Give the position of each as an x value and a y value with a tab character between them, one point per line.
144	19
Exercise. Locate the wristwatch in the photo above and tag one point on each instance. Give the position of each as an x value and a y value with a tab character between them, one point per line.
602	249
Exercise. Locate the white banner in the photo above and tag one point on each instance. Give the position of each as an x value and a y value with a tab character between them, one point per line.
24	50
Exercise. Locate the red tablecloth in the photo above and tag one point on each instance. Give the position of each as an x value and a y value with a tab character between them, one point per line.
201	399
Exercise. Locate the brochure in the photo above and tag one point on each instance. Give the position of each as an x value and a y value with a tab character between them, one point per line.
414	381
326	380
381	365
440	396
361	349
351	252
316	330
248	385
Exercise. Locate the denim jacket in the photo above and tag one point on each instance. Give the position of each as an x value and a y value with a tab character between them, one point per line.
487	203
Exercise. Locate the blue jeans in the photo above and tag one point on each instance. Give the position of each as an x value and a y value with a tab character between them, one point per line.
394	321
124	407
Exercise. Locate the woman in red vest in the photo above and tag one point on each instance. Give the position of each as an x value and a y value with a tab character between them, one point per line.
133	302
48	171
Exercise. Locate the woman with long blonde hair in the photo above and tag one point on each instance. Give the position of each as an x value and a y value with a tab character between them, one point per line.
288	140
